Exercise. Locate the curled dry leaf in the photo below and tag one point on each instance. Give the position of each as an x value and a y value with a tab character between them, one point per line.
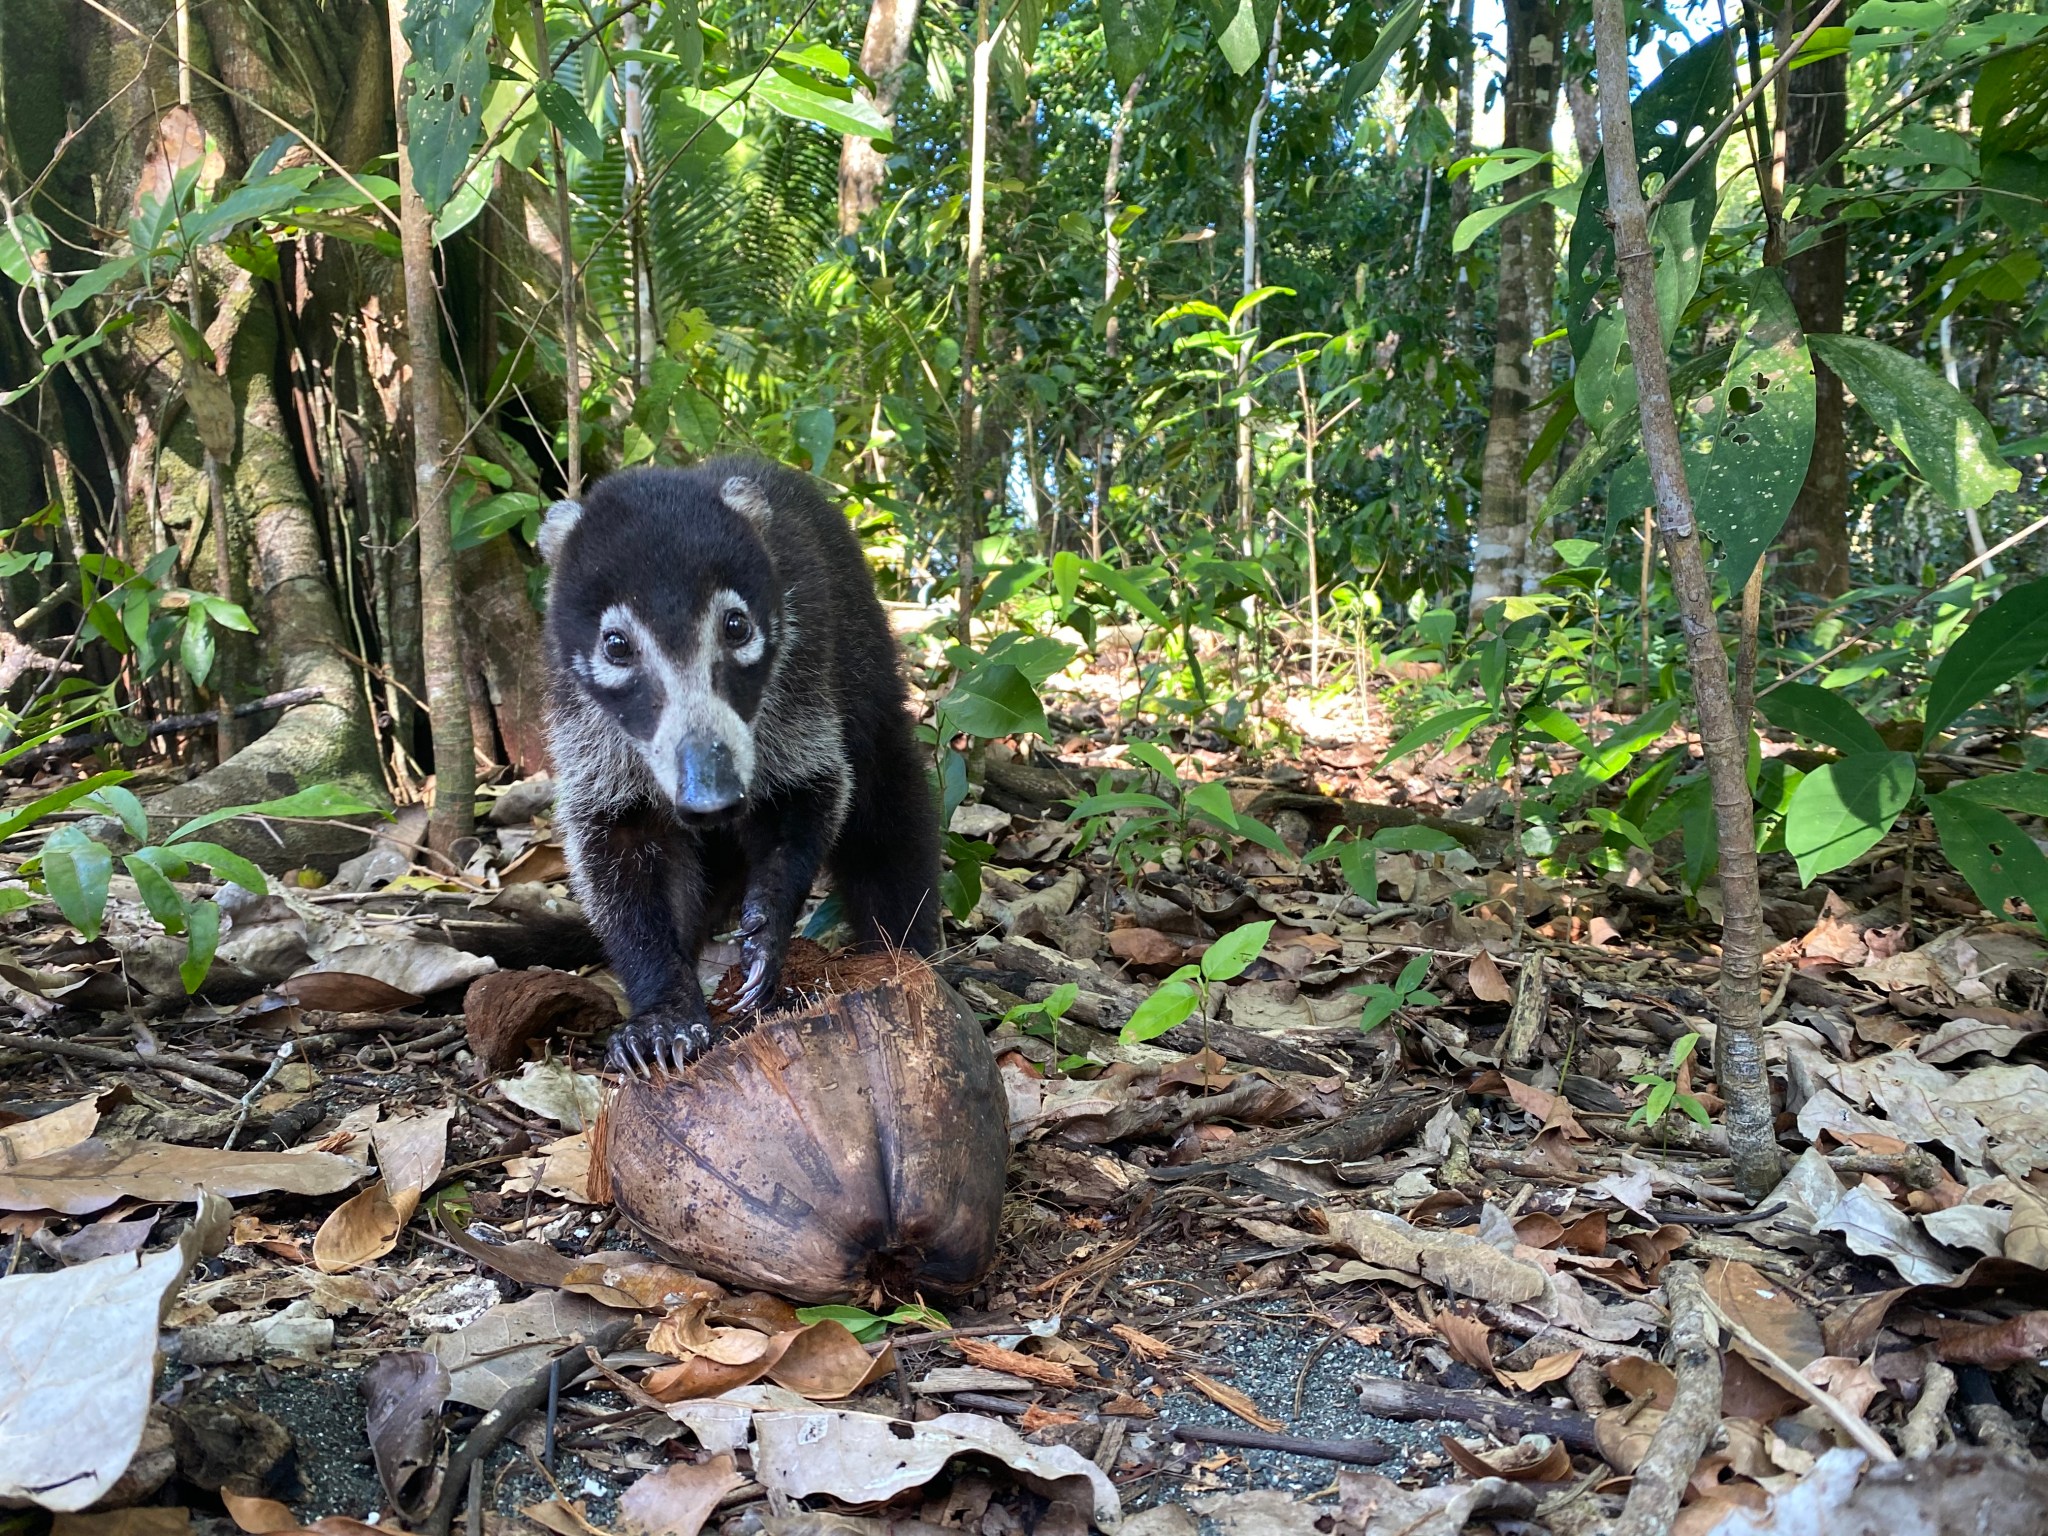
1641	1378
1228	1397
1550	1368
362	1228
258	1516
1533	1459
1486	981
699	1376
1467	1264
754	1309
60	1128
1777	1317
554	1092
677	1499
1142	1344
633	1282
1995	1346
1468	1337
345	992
412	1149
404	1391
826	1361
683	1334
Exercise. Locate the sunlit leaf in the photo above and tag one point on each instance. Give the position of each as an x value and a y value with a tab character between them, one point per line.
1843	809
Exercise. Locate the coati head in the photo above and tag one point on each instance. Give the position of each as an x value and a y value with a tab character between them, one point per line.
665	611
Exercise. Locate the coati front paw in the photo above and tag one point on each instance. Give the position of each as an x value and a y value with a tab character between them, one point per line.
764	941
663	1038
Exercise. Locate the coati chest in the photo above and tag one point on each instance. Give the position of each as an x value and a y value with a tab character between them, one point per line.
725	700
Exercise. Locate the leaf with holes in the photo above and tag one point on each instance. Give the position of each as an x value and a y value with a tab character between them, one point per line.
1941	434
1841	810
1686	100
445	82
1819	715
2026	793
1998	859
2003	641
1134	32
1747	443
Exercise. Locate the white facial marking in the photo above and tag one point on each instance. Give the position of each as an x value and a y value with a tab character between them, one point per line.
606	673
690	704
748	652
745	497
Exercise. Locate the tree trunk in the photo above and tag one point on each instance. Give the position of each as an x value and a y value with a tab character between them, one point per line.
440	628
1816	110
884	59
1528	272
970	346
1461	147
1249	279
1108	446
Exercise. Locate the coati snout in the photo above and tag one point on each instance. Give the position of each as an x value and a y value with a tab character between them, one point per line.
726	717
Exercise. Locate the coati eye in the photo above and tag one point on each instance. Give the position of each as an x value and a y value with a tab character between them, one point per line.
618	650
739	629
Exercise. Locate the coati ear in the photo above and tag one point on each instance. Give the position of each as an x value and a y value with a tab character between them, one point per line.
555	528
747	498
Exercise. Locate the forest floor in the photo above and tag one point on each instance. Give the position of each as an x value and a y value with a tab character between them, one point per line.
1266	1273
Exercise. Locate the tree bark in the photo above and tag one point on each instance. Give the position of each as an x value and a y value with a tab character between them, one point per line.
1527	279
970	346
1816	278
1248	183
1461	147
1739	1039
884	59
1108	447
440	629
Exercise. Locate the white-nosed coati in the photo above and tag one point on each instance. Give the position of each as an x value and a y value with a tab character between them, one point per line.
726	715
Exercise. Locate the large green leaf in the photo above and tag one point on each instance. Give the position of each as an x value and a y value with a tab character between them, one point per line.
1996	857
1926	417
316	802
2026	793
1820	716
567	114
1362	75
444	87
1747	444
1242	29
1454	723
76	869
202	939
799	97
2001	642
995	700
57	799
1841	810
1690	96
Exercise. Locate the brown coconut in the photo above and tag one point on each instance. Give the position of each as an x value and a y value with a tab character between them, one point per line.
852	1145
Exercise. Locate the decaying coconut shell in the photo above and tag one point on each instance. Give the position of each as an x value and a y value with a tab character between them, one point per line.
851	1146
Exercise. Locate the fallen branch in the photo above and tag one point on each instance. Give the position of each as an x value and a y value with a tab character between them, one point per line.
1386	1398
170	725
1663	1474
161	1061
1920	1437
1357	1453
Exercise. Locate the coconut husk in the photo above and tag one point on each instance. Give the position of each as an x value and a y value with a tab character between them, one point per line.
851	1145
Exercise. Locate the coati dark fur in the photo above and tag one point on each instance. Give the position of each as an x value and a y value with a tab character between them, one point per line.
726	716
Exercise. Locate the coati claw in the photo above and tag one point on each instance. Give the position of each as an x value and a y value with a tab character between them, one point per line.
659	1040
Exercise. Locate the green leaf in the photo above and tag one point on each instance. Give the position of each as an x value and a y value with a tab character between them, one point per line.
59	799
1952	447
1396	34
1819	715
1164	1009
1230	956
2002	642
2026	793
1242	29
1416	839
443	92
1746	444
1480	220
23	239
202	938
1134	33
808	103
1359	863
1380	1003
1998	858
162	898
76	869
1690	96
1119	800
567	114
993	701
960	886
316	802
226	864
1149	757
1841	810
1413	974
1454	723
196	647
121	803
1120	585
81	290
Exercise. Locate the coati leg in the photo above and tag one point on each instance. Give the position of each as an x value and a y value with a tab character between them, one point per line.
641	879
784	839
885	864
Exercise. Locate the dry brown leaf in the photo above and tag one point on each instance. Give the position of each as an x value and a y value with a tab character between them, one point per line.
1767	1309
684	1335
93	1174
1410	1325
60	1128
1125	1406
259	1517
629	1282
1469	1265
1368	1334
363	1227
1146	946
1641	1377
1538	1229
698	1377
1228	1397
561	1168
1486	981
754	1309
1536	1459
825	1361
142	1520
2026	1237
1653	1250
1469	1339
1038	1417
1995	1346
677	1499
993	1357
344	992
1550	1368
1587	1235
565	1517
1206	1069
1747	1393
412	1149
1142	1344
1624	1441
1850	1382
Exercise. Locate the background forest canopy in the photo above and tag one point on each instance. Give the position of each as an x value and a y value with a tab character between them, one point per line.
1220	336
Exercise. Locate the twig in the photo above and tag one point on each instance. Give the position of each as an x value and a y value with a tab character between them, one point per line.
1661	1477
1921	1435
1781	1371
162	1062
170	725
284	1054
1386	1398
494	1426
1358	1453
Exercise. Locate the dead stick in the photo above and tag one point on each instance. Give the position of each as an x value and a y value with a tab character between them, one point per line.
1663	1474
1358	1453
1386	1398
494	1426
99	1055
